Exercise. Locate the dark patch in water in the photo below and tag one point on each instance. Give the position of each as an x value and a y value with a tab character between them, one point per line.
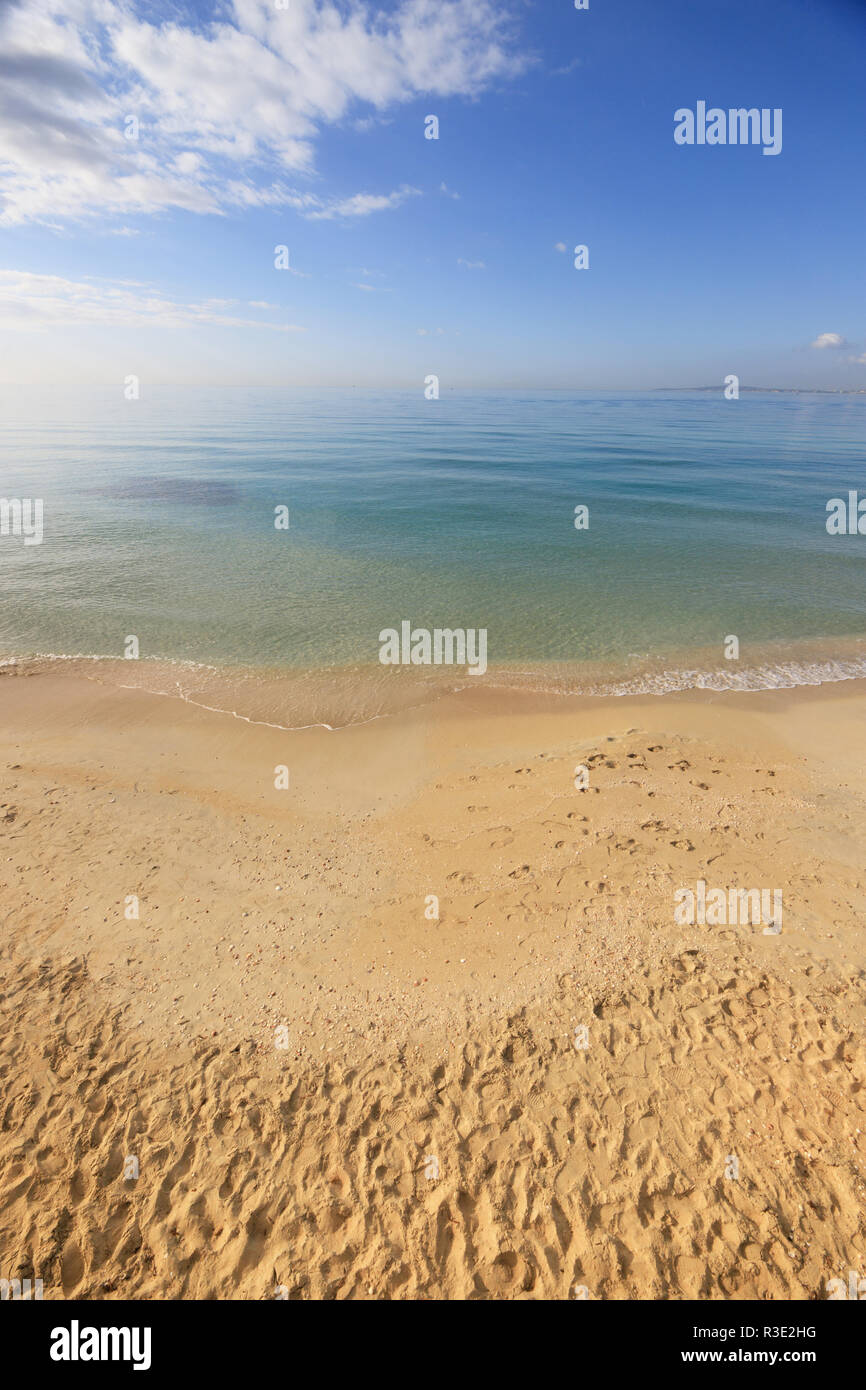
203	491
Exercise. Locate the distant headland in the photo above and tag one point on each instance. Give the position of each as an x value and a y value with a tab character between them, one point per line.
779	390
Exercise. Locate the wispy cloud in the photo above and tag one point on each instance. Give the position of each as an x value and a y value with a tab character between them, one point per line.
103	112
31	302
361	204
471	265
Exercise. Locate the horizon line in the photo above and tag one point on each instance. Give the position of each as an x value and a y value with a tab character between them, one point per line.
366	386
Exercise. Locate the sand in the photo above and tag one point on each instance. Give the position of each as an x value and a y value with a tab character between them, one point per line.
552	1089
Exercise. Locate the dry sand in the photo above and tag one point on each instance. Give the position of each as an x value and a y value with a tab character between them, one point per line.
418	1045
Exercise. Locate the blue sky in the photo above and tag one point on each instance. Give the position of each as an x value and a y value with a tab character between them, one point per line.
304	127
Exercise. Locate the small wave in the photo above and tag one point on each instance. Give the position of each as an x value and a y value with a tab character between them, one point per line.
777	676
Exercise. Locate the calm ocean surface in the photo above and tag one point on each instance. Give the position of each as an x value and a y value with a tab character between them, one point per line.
707	518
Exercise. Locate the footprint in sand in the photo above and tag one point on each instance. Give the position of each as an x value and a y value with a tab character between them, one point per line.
520	872
71	1268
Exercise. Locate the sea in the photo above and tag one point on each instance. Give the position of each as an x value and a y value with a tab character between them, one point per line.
256	542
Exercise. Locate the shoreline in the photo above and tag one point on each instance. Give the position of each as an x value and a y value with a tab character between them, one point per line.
294	699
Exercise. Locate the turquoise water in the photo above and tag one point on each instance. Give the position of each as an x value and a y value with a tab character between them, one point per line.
707	518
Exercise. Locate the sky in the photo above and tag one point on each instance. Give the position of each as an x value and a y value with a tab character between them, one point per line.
153	156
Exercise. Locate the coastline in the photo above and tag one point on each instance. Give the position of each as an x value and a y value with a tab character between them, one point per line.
410	1035
294	698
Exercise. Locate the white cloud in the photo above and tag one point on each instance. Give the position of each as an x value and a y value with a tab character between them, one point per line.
31	302
360	204
560	246
471	265
861	359
829	340
226	109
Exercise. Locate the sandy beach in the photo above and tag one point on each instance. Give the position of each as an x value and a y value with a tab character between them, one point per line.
422	1023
